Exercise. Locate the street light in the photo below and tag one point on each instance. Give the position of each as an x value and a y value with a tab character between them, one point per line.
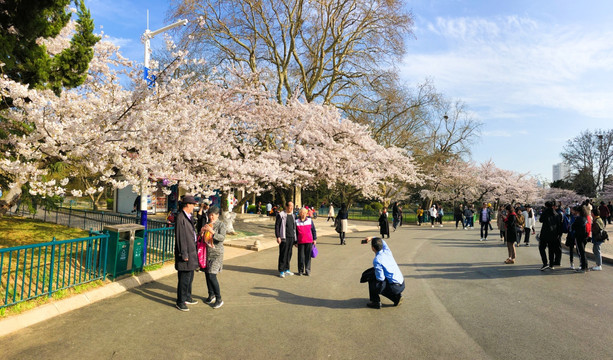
150	79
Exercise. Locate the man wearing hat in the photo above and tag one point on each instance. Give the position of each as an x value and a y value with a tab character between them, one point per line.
186	255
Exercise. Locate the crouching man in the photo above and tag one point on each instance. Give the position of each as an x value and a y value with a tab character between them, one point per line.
384	278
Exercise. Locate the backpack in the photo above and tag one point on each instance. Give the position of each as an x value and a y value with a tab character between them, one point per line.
566	225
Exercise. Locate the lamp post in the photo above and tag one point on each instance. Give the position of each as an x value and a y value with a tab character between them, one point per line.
150	79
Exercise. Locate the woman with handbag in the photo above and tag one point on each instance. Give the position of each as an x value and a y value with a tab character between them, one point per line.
306	239
216	230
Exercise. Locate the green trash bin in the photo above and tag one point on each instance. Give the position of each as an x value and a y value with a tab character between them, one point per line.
121	247
137	252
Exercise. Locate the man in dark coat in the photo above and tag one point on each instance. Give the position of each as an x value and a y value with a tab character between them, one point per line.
551	229
384	224
186	255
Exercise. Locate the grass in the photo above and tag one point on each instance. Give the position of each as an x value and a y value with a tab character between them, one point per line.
240	234
18	231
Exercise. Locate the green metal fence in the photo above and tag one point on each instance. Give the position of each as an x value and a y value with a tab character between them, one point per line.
160	245
34	270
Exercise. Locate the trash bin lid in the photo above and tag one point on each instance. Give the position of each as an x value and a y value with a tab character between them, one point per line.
124	227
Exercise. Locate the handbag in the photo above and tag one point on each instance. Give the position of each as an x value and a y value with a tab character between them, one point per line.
314	251
201	247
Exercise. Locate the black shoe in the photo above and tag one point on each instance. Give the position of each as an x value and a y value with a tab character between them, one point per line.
374	305
307	274
398	301
182	307
191	302
545	267
299	273
209	300
218	304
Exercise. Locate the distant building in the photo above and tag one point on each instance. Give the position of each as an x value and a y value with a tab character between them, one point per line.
560	171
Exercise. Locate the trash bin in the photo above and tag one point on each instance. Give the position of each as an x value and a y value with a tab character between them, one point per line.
125	248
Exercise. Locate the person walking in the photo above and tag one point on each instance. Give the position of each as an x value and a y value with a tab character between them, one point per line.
395	215
610	207
510	223
468	216
557	243
384	278
214	256
458	216
342	218
331	213
186	254
529	222
384	224
581	231
604	212
285	231
440	214
570	237
500	222
598	237
550	230
420	215
306	237
485	217
433	214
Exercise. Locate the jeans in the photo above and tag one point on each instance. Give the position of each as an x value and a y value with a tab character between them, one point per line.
304	258
184	287
385	288
545	243
285	253
581	251
212	286
527	237
596	251
484	225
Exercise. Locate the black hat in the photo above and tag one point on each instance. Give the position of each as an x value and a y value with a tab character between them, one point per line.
188	199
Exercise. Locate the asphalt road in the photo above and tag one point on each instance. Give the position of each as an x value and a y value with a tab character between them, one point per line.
460	302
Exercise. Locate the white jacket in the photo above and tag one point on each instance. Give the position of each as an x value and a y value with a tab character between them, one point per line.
433	212
529	221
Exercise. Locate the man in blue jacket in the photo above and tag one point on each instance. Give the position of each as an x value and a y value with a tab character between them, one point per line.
387	280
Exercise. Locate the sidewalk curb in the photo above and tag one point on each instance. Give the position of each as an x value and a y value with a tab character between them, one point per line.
608	259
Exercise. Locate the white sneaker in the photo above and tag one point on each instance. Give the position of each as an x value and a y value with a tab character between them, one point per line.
282	275
432	225
596	268
572	267
481	239
441	225
287	272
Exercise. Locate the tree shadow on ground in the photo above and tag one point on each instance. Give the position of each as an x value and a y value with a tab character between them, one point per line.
293	299
481	271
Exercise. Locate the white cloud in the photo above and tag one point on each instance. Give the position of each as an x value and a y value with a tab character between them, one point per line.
505	64
121	42
497	133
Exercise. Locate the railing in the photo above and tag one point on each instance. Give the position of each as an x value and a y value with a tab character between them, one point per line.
373	215
160	245
31	271
84	219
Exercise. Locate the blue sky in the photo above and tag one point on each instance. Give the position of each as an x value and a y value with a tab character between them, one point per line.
535	73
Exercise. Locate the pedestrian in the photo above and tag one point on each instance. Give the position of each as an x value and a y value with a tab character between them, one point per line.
500	222
440	214
258	209
604	212
557	243
203	216
420	215
384	278
214	256
570	237
485	217
510	223
331	213
598	237
269	209
529	222
468	215
306	237
285	231
384	225
581	230
342	223
489	206
521	221
610	207
395	215
433	214
186	255
399	216
458	216
550	230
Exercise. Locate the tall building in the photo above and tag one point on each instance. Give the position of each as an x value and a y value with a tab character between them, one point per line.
560	171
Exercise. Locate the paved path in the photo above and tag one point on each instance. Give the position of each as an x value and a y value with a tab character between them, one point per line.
461	302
